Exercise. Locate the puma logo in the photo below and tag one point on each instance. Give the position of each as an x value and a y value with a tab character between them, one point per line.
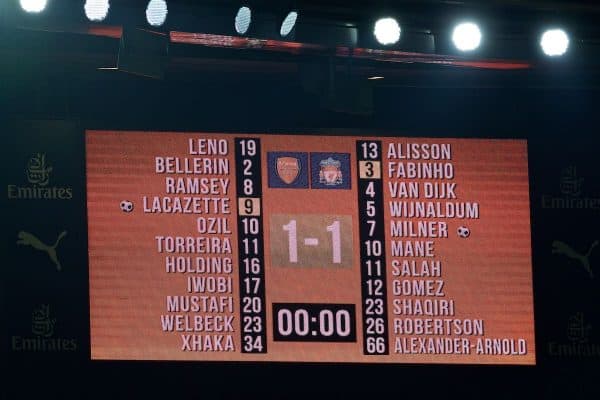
27	239
559	247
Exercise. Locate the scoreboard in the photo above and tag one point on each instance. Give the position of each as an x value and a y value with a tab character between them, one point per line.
304	248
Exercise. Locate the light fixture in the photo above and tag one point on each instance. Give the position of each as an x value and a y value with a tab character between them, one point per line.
288	23
243	19
156	12
33	6
466	36
375	78
96	10
387	31
554	42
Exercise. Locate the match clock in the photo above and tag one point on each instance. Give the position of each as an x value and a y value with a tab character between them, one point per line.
312	322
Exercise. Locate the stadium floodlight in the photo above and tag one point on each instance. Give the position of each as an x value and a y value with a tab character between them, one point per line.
156	12
243	19
33	6
387	31
554	42
288	23
96	10
466	36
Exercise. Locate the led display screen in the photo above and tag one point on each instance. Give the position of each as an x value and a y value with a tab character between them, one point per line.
306	248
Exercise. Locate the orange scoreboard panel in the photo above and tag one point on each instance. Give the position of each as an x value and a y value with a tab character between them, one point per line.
251	247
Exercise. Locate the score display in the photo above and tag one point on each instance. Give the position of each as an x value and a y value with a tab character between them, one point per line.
241	247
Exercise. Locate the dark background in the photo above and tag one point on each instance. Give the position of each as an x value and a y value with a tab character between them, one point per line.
51	90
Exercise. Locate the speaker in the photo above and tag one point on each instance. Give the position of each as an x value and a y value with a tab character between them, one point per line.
338	90
143	52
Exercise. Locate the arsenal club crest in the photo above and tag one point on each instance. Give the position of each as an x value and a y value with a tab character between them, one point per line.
288	169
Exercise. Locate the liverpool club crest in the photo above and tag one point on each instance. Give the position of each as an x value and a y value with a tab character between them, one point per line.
330	173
